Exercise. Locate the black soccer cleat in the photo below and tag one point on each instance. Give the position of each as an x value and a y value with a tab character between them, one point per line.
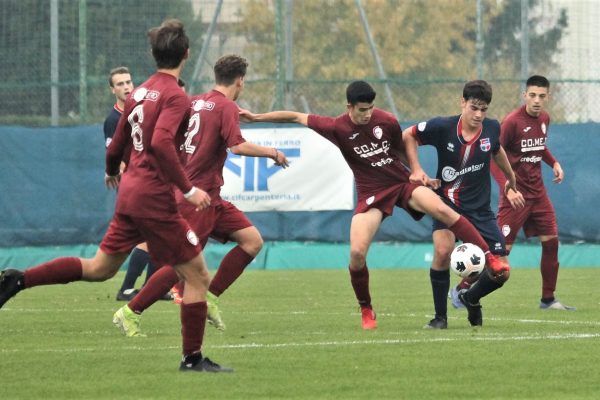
474	310
199	364
437	323
11	282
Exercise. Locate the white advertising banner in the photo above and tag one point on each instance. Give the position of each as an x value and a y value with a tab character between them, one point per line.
318	177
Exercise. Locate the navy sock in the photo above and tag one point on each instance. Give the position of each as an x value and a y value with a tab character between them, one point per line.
440	283
137	264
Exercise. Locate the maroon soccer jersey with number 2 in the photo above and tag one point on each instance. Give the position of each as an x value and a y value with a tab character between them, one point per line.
214	127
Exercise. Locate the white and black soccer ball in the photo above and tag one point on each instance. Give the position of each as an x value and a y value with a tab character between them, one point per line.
467	260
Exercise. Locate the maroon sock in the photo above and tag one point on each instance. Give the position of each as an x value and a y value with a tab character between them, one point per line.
157	286
549	267
466	232
360	284
231	268
59	270
193	320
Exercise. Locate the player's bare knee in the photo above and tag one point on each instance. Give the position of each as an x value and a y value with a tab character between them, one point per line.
253	246
93	271
358	258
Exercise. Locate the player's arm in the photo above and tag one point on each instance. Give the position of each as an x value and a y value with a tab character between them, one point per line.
549	159
115	152
417	174
516	200
275	116
254	150
163	146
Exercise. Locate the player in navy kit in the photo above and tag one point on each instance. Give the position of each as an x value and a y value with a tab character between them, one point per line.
465	144
370	140
523	136
153	124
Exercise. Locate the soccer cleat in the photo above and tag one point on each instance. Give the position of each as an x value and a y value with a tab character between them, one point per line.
201	365
176	295
213	314
496	265
369	318
453	295
474	310
127	294
128	322
437	323
556	305
11	282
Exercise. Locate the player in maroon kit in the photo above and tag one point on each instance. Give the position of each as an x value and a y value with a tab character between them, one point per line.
370	141
524	135
146	210
213	128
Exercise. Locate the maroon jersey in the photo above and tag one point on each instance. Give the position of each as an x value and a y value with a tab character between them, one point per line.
155	115
214	127
371	151
524	140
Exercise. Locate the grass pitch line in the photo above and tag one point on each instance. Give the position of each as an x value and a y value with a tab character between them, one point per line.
335	343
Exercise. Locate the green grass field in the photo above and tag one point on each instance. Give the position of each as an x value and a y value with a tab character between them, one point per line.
297	335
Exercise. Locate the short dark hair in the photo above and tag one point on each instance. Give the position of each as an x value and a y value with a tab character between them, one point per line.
538	80
360	92
115	71
228	68
169	43
478	90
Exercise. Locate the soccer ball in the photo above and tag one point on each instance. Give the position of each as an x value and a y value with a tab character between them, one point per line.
467	260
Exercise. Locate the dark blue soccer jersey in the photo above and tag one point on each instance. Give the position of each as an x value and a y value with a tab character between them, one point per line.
110	124
463	167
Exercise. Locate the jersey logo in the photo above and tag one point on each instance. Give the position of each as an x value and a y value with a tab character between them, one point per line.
526	129
505	230
484	144
543	128
449	174
192	238
200	104
421	126
450	147
354	136
370	200
377	132
145	94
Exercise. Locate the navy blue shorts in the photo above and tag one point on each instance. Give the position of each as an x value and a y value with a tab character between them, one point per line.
489	231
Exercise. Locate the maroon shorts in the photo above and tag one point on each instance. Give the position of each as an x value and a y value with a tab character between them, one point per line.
537	218
385	201
217	221
170	241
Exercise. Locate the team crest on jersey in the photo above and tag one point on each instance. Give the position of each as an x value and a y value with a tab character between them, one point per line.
377	132
421	126
484	144
370	200
192	238
505	230
544	128
200	104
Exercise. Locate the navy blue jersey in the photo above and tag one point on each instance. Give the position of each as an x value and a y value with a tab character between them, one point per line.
110	124
463	167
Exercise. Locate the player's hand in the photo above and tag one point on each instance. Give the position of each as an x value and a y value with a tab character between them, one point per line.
246	115
419	177
510	184
200	199
112	182
434	183
558	173
515	199
280	159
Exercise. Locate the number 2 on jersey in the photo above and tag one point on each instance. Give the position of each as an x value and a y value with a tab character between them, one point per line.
193	129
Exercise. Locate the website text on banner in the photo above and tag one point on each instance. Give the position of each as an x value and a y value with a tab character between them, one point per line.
318	177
